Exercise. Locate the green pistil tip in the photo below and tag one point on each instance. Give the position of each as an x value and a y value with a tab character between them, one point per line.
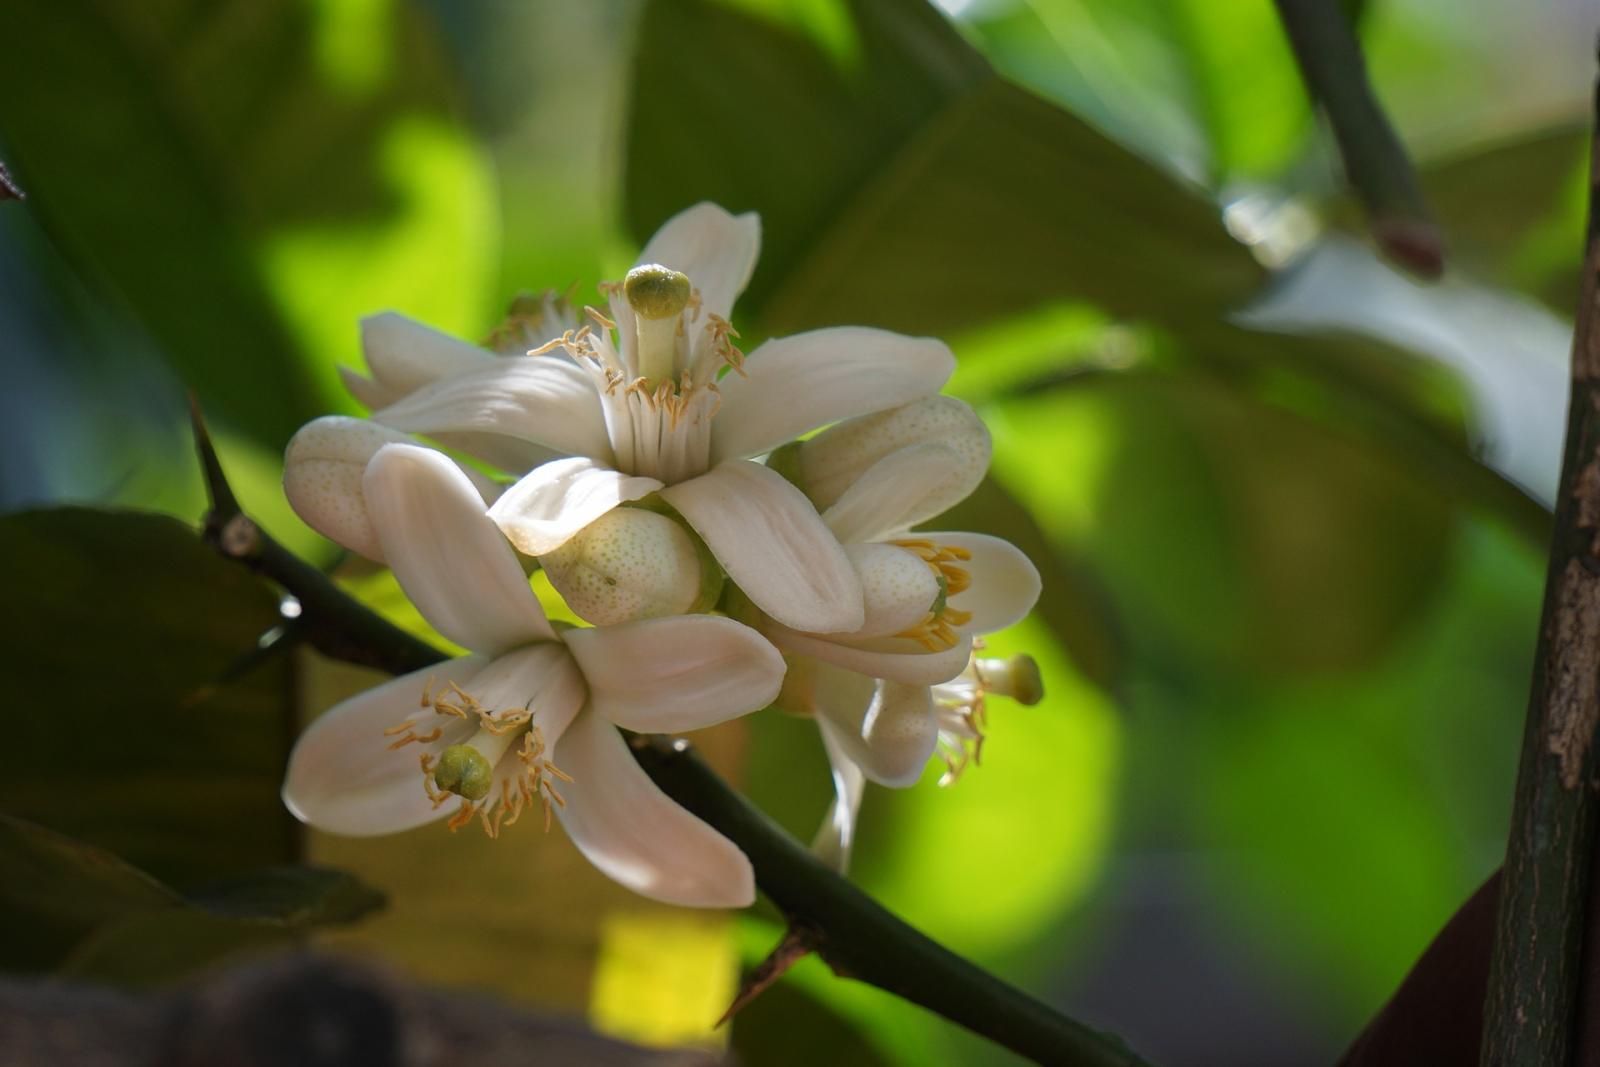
942	599
656	292
462	770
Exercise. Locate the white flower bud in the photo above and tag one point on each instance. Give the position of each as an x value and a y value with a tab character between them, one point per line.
322	471
831	461
632	564
901	732
899	589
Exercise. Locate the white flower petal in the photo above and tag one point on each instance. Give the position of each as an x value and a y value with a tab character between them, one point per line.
832	461
901	734
680	673
404	355
769	539
842	699
344	778
450	558
371	394
507	453
793	385
635	833
1005	583
543	678
837	834
546	401
880	658
542	511
898	491
716	249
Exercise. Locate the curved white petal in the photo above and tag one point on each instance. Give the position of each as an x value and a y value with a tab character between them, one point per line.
880	659
895	493
679	673
832	461
716	249
837	834
532	398
635	833
450	558
404	355
344	778
507	453
369	392
793	385
901	733
1005	583
542	511
772	543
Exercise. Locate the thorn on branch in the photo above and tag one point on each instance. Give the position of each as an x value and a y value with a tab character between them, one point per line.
798	942
224	505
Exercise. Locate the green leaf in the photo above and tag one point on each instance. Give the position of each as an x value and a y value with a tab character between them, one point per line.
77	909
135	737
915	190
55	890
295	897
246	178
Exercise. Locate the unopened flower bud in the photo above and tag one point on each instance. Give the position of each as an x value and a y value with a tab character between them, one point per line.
464	771
322	471
633	564
832	461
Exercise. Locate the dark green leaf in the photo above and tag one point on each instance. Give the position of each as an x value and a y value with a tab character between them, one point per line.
69	906
911	187
55	890
293	896
127	627
166	148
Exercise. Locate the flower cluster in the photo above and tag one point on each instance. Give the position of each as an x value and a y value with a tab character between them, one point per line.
738	531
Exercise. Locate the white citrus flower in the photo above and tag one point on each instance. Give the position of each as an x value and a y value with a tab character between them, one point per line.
656	399
885	695
531	715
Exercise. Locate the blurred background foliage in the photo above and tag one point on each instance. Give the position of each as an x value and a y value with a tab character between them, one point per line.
1289	503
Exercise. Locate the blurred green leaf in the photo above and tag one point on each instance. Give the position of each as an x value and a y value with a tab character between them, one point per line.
1513	211
78	909
293	896
237	174
136	738
916	190
1210	88
1212	517
55	891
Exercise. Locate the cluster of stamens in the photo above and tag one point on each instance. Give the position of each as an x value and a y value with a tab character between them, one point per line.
494	809
936	632
961	705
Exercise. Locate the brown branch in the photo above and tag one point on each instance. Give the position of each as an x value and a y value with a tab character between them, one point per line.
1534	971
